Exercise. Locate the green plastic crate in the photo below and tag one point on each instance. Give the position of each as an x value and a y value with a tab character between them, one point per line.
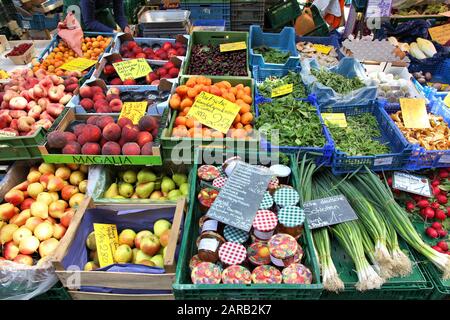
184	289
169	143
58	292
280	14
417	286
218	37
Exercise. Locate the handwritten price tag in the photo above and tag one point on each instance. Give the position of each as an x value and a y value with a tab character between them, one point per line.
107	241
337	119
414	113
440	34
322	49
281	91
224	47
132	69
78	64
133	111
214	112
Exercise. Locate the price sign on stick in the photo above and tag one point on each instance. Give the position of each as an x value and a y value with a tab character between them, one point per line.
412	184
107	241
414	113
132	69
78	64
133	111
214	112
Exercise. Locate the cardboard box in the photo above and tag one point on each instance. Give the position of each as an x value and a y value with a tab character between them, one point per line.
24	58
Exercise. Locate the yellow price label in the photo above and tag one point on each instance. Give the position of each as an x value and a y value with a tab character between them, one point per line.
214	112
107	241
282	90
447	100
337	119
133	111
233	46
78	64
440	34
322	48
414	113
132	69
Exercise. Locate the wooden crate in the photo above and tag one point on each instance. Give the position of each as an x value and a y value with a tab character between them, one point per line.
120	280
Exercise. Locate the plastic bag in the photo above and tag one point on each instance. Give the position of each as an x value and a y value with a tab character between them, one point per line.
70	31
405	32
347	67
22	282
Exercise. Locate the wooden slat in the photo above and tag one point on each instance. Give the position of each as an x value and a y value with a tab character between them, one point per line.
169	258
78	295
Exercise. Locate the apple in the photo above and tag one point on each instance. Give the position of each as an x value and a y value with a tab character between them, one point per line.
150	245
127	237
33	222
63	173
33	176
68	191
56	209
90	241
141	256
76	200
160	226
67	218
29	245
123	254
158	260
39	209
43	231
6	233
90	266
141	235
7	211
76	177
47	247
45	197
164	238
21	234
59	231
46	168
93	255
10	250
24	259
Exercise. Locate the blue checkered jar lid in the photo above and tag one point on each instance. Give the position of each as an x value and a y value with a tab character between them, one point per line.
285	197
267	201
291	216
233	234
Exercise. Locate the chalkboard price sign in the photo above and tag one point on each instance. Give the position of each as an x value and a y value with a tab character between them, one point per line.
328	211
240	197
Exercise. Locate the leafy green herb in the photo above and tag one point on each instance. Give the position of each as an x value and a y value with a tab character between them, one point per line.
357	139
337	82
272	55
265	88
296	121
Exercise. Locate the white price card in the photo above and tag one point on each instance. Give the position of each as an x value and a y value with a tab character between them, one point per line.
411	183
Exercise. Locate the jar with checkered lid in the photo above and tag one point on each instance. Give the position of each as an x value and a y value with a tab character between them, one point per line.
290	221
264	224
282	248
282	172
266	202
208	245
206	224
231	253
285	197
233	234
206	198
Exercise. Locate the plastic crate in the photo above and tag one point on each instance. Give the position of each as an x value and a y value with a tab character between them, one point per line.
420	157
58	292
397	159
322	155
208	11
440	74
284	41
282	13
416	286
38	21
252	10
328	41
191	2
183	287
209	25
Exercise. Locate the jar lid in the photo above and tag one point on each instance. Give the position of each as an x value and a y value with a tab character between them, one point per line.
297	273
210	234
291	216
273	183
280	170
298	254
236	275
255	239
267	201
282	246
206	273
258	253
195	260
233	234
286	197
265	220
232	253
266	274
208	172
222	173
219	182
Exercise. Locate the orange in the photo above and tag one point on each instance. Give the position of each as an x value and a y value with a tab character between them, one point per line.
248	91
238	125
191	82
180	121
191	123
238	134
248	128
175	101
237	119
186	103
244	108
192	93
215	90
182	90
246	118
247	99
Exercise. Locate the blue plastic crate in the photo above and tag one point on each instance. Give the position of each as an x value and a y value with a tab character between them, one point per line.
397	159
284	41
323	155
420	157
211	24
440	72
208	11
38	21
326	41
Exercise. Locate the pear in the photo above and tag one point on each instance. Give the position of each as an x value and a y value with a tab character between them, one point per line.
179	178
143	190
175	194
119	197
184	188
129	176
167	184
146	175
126	190
112	191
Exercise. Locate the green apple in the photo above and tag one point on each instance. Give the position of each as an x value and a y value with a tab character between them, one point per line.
160	226
158	260
123	254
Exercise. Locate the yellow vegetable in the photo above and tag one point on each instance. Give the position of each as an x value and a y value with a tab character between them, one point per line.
416	52
426	46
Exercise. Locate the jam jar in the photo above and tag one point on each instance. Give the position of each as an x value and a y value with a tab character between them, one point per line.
206	198
206	273
231	253
208	173
290	221
297	273
282	248
229	165
236	275
266	274
207	224
208	244
264	224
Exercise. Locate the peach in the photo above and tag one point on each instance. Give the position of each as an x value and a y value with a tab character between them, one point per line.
92	120
70	136
68	191
29	245
15	197
63	173
26	204
79	129
55	94
76	200
131	148
33	176
18	103
24	259
55	195
22	186
143	137
90	148
6	211
24	124
44	179
116	105
56	139
46	168
111	132
93	133
43	231
45	197
86	92
47	247
59	231
72	147
113	91
39	209
99	97
103	121
122	122
6	233
130	133
76	177
110	97
10	250
87	104
21	234
56	209
148	123
33	222
103	107
21	218
147	149
55	184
